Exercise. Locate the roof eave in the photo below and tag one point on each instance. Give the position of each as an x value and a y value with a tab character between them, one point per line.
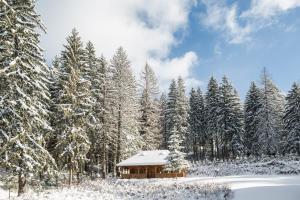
139	165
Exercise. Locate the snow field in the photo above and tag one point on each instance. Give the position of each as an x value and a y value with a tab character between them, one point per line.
148	189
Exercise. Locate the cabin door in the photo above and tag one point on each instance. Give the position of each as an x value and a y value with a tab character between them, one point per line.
151	172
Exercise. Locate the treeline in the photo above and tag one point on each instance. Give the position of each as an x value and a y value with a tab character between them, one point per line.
221	127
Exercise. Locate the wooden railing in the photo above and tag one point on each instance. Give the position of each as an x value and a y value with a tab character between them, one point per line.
128	176
170	175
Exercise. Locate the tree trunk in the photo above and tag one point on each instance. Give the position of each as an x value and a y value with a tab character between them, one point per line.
203	152
103	163
21	183
114	166
195	150
106	130
103	168
70	174
212	148
78	178
107	163
217	146
118	157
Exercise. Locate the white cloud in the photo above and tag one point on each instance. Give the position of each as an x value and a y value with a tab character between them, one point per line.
270	8
290	28
193	83
222	18
226	19
144	28
172	68
218	49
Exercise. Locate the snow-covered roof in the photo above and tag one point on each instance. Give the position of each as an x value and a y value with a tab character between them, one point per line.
156	157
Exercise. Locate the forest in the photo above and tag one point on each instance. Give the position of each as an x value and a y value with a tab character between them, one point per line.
84	114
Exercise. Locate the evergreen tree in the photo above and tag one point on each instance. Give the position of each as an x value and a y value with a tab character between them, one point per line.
128	139
239	124
292	120
197	137
182	111
149	119
54	89
107	114
230	120
92	72
270	116
24	95
251	113
212	102
176	161
171	111
73	106
163	121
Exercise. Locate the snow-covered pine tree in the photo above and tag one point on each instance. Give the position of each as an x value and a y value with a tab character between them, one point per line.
202	123
101	117
270	116
176	160
163	120
251	111
128	139
54	89
230	120
149	109
72	105
292	121
212	102
93	74
193	139
182	110
24	96
108	120
197	138
237	140
171	110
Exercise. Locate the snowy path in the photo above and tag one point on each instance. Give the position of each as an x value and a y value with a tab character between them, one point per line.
259	187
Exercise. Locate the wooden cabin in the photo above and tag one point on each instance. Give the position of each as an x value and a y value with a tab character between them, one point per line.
147	164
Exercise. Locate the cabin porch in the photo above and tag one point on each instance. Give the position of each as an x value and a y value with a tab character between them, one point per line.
140	172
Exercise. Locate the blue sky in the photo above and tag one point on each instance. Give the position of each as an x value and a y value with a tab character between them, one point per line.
275	46
194	39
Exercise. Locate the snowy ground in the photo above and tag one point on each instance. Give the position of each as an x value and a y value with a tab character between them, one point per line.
147	189
258	187
275	179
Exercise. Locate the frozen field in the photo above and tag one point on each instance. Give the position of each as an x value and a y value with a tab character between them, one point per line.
259	187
